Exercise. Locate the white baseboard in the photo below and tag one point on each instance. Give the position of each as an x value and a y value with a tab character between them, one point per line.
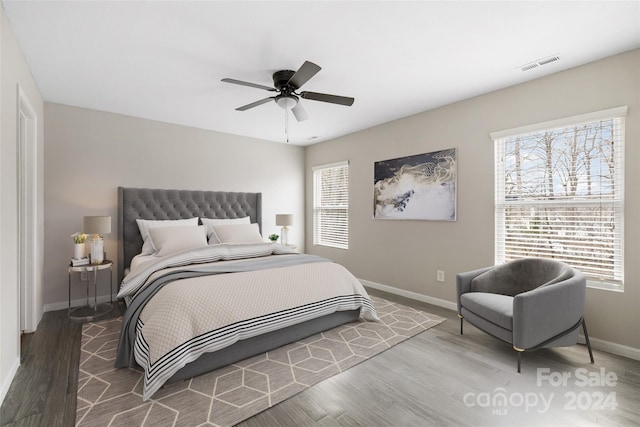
612	347
596	343
7	381
76	303
408	294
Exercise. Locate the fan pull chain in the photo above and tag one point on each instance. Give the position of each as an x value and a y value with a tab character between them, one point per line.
286	124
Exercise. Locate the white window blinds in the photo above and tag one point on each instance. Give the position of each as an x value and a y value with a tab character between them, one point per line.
331	205
559	193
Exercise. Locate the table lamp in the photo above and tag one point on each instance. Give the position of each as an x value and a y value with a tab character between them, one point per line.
284	220
97	226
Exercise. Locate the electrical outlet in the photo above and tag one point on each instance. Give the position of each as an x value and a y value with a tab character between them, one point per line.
440	276
83	276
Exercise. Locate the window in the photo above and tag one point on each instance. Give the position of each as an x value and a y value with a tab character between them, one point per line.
560	194
331	205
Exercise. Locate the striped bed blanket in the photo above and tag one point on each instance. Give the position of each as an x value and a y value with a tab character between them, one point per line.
190	303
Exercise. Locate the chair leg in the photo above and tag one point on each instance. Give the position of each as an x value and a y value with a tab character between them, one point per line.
461	320
519	352
586	337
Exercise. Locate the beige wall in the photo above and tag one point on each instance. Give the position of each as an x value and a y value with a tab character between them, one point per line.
14	71
90	153
406	254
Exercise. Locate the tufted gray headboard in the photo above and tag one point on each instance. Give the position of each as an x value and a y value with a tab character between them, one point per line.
148	203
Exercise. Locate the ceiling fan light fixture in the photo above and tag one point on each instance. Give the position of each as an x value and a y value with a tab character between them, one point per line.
287	101
287	82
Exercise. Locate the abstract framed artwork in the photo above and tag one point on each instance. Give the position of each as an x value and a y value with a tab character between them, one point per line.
422	187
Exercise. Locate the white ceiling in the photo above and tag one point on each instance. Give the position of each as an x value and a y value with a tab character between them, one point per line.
163	60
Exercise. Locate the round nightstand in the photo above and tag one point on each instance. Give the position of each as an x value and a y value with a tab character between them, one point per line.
89	312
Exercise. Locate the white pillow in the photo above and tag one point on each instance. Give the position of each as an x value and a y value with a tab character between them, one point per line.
168	240
210	222
238	233
145	224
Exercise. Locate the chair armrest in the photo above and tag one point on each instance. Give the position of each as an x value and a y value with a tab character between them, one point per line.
463	282
547	311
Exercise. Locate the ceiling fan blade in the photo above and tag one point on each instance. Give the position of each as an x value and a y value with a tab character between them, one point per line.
255	104
241	83
325	97
304	73
299	112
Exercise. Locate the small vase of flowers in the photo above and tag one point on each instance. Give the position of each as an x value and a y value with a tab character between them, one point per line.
78	244
273	238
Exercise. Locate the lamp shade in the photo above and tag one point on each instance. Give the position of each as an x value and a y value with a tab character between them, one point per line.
96	224
284	220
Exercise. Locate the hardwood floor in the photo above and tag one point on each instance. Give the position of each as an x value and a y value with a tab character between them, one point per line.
438	378
43	392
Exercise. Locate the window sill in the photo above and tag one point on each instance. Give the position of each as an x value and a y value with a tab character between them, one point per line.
604	286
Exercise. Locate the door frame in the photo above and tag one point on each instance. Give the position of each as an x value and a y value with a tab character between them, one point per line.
27	194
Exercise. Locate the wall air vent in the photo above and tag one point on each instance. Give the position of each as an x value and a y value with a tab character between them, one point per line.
539	63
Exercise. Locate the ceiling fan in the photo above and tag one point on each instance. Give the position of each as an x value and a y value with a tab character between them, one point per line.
287	83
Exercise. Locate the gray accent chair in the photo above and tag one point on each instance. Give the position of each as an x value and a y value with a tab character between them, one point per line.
529	303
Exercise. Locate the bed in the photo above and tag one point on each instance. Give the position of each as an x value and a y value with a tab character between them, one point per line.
243	282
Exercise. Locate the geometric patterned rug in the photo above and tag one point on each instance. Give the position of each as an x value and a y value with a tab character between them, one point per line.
231	394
